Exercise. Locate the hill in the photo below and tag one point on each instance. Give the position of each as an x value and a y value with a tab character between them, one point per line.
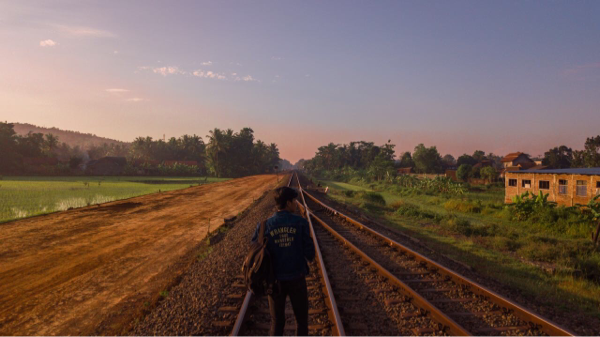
72	138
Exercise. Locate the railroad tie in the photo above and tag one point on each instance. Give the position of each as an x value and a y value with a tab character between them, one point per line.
222	324
236	296
229	309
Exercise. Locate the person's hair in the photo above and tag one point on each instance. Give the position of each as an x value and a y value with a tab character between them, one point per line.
283	195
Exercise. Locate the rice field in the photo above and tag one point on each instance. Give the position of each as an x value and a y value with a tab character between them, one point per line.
22	197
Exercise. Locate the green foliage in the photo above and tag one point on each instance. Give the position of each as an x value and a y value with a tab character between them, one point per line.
427	159
358	160
27	196
465	159
590	155
373	197
526	204
488	173
177	169
462	206
464	172
458	225
558	157
232	154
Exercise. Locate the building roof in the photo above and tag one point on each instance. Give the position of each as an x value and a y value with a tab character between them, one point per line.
583	171
538	167
511	156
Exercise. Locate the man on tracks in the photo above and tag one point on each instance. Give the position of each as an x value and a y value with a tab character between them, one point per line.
290	247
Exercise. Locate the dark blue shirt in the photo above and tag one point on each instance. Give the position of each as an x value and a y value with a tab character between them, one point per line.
289	245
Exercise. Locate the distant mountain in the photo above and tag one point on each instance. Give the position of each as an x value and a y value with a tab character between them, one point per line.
72	138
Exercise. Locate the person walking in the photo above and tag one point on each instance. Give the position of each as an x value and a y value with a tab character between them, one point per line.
290	247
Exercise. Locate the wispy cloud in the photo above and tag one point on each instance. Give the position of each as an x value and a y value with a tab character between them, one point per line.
169	70
247	78
82	31
276	58
47	43
207	63
116	90
115	52
209	74
135	99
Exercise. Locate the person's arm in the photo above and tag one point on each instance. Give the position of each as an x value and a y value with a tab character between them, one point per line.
255	236
307	242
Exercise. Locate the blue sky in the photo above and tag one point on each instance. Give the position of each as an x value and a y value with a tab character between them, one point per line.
499	76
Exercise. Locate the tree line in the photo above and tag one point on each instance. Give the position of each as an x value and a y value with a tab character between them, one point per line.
375	162
227	153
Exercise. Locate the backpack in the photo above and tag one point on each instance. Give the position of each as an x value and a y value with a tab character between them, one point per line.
258	268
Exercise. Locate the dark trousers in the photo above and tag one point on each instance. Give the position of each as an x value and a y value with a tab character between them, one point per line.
296	290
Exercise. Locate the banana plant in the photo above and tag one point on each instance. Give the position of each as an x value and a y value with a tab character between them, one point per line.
594	207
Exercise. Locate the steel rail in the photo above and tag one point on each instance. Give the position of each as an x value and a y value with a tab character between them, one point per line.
333	313
416	299
546	325
239	321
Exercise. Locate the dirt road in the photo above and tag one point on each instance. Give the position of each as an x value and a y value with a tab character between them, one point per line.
67	272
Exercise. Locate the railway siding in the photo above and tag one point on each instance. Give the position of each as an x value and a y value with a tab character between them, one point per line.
480	310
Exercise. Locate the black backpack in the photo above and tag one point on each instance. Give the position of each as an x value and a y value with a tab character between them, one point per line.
258	268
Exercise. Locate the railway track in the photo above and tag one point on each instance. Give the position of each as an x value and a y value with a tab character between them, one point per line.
435	294
365	283
253	318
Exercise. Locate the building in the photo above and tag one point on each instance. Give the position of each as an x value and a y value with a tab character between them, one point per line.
567	187
483	163
515	161
404	170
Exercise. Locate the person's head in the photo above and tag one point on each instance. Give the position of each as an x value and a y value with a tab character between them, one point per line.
284	198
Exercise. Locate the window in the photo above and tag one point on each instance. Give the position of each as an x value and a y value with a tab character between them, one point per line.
597	184
512	182
526	183
544	185
562	186
581	188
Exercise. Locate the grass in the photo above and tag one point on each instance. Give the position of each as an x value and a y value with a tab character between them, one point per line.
477	229
22	197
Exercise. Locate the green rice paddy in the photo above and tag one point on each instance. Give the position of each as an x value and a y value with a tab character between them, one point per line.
22	197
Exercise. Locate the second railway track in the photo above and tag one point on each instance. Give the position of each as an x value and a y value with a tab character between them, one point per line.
472	308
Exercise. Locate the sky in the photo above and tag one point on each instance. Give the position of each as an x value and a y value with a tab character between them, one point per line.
497	76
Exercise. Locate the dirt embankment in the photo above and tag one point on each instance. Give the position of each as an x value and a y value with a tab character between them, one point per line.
192	306
67	273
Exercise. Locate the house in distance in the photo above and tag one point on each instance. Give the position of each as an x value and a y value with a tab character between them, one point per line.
566	187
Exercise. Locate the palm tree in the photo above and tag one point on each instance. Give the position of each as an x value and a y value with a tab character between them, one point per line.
216	145
51	143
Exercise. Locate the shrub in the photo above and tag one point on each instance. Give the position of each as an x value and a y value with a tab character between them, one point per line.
374	197
505	244
539	251
349	193
457	225
590	267
406	209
